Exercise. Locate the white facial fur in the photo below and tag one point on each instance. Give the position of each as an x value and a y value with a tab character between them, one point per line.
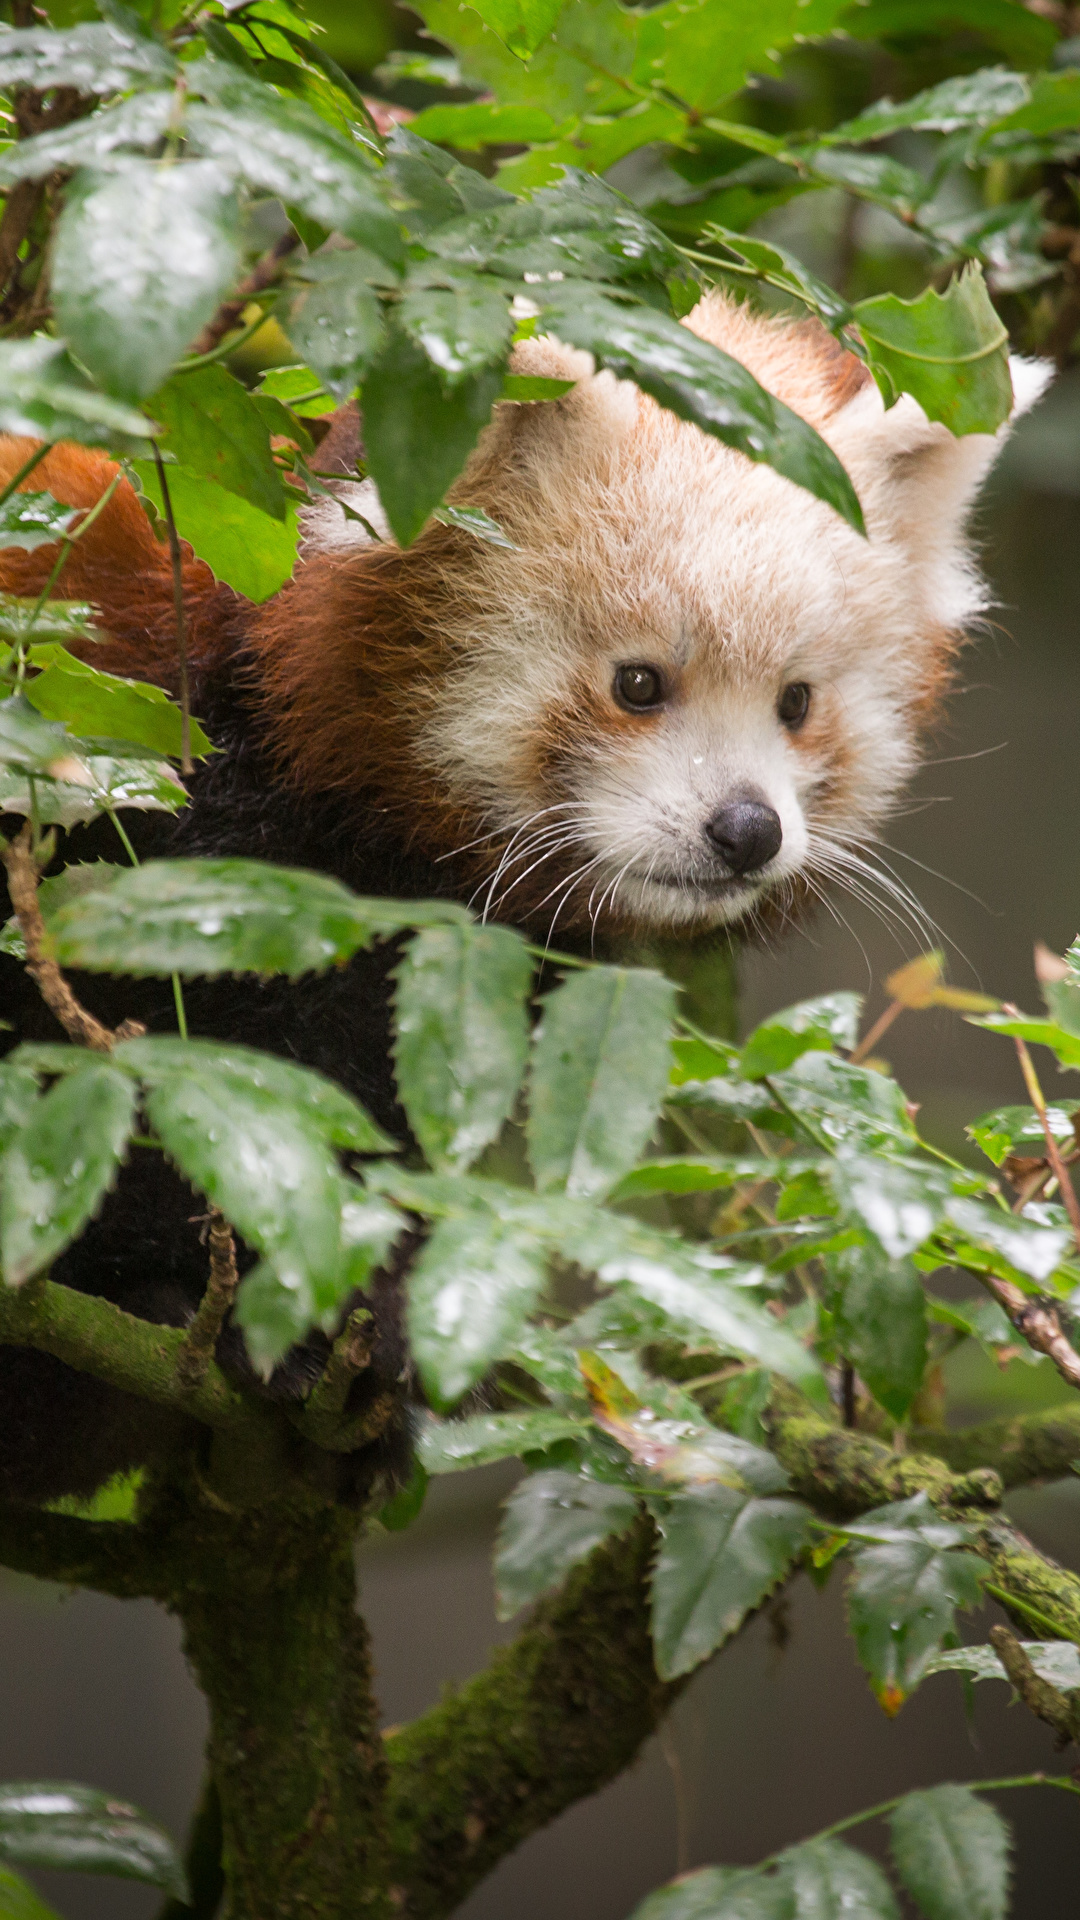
642	540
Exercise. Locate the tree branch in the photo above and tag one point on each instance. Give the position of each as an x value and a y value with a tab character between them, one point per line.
556	1715
1057	1709
1036	1322
847	1473
138	1356
23	877
1033	1446
112	1556
265	272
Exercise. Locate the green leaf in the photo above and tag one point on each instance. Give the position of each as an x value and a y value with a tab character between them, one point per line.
951	1851
18	1095
734	1099
697	1173
138	122
722	1553
30	520
417	433
18	1901
241	545
299	389
142	255
699	383
94	703
881	1323
99	781
525	388
462	1036
1057	1661
902	1203
849	1106
520	24
450	1446
403	1507
783	270
872	176
336	320
461	322
227	916
480	123
1042	1033
1009	1130
52	893
285	147
97	57
43	396
55	620
213	427
474	520
703	50
950	351
828	1881
822	1024
906	1584
965	100
1011	30
550	1523
326	1108
58	1168
1053	106
1032	1247
719	1893
600	1066
46	1823
470	1292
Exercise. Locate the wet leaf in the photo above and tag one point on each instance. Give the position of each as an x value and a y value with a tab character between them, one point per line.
99	57
902	1202
829	1881
215	429
92	703
462	1036
550	1523
951	1850
719	1893
470	1293
1008	1130
451	1446
600	1067
45	1823
881	1323
325	1106
965	100
418	433
1056	1661
227	916
820	1025
950	351
910	1573
44	396
461	322
520	24
59	1166
336	320
722	1553
30	520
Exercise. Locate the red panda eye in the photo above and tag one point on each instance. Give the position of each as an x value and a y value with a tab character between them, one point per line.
794	704
639	687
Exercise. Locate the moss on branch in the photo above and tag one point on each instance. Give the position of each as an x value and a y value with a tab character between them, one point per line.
555	1716
844	1473
1033	1446
111	1556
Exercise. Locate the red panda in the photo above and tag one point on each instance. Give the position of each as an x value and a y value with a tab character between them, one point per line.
682	696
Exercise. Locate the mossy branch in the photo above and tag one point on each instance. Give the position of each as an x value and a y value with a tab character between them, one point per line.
554	1717
845	1473
112	1556
138	1356
1031	1446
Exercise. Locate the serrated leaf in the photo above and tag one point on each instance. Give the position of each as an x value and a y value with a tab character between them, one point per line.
828	1881
1009	1130
781	269
285	147
470	1292
1056	1661
462	1036
951	1850
99	781
244	547
214	428
600	1066
96	57
905	1587
336	320
51	896
461	322
30	520
902	1202
1043	1033
451	1446
881	1323
699	383
142	255
550	1523
419	434
965	100
59	1166
849	1106
18	1095
137	122
719	1893
45	1823
703	50
950	351
722	1552
92	703
325	1106
43	396
520	24
830	1021
481	123
227	916
734	1099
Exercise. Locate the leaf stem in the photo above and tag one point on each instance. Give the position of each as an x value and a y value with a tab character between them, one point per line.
25	470
1024	1606
1053	1151
881	1026
186	763
974	1786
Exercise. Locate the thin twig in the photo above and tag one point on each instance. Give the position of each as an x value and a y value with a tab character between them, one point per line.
262	275
1053	1151
200	1343
79	1025
881	1026
1038	1324
186	763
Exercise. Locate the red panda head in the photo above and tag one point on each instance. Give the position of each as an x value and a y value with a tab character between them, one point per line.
689	693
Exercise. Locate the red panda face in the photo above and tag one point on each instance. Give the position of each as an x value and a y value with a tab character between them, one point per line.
690	693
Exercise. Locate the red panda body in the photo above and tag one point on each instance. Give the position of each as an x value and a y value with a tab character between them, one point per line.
682	696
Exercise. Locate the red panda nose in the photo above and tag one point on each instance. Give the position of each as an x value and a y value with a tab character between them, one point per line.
746	834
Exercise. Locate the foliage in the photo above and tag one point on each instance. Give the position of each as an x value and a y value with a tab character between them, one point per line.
641	1243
